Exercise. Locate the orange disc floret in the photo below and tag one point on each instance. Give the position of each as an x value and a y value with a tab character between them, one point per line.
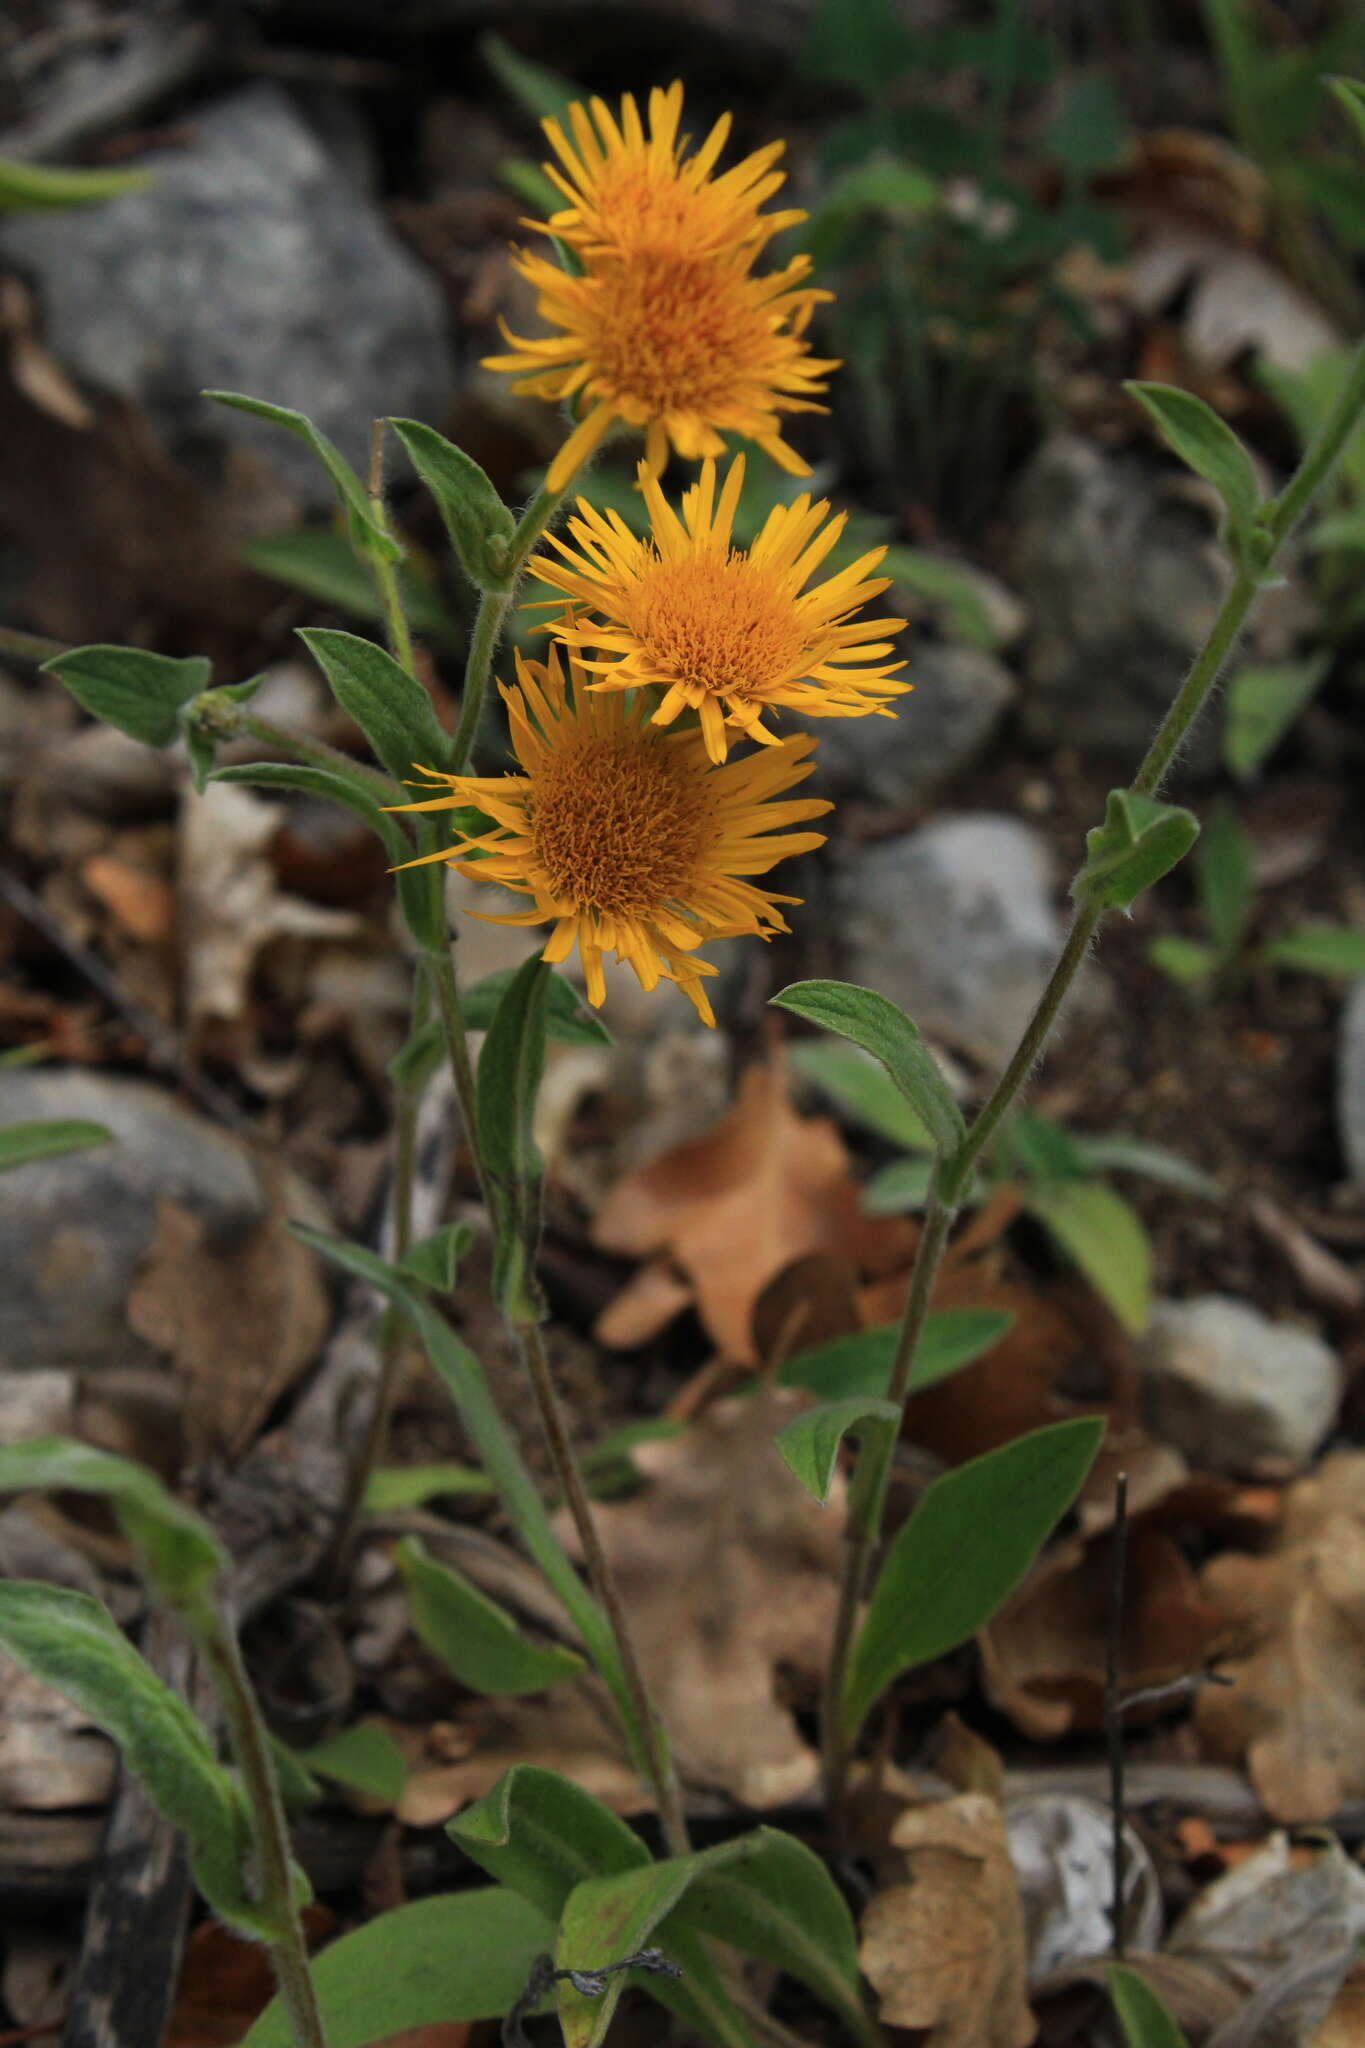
728	632
626	835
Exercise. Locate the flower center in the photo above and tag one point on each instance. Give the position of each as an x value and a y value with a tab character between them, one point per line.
677	334
719	622
619	822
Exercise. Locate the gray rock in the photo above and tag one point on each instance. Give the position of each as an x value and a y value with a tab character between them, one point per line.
1118	561
1351	1083
1235	1392
251	264
956	924
960	695
73	1230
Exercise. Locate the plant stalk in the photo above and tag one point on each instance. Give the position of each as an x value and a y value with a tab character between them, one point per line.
494	606
251	1748
872	1470
385	573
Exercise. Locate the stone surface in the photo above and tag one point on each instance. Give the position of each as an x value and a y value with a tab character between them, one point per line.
1118	561
959	697
73	1231
955	923
1351	1083
1232	1390
251	264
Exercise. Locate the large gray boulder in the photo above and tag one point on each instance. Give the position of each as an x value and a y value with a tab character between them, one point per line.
252	263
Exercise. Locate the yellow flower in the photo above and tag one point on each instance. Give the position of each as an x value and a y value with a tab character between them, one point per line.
667	329
729	633
629	190
625	835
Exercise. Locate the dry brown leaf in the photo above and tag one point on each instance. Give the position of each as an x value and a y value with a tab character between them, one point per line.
1344	2026
53	1755
946	1951
568	1730
241	1320
1043	1654
226	1981
1296	1707
141	902
735	1206
726	1566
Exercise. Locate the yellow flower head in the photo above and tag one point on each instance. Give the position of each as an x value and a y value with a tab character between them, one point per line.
631	191
625	835
727	632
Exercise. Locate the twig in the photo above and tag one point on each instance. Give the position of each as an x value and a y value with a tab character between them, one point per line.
1113	1704
588	1983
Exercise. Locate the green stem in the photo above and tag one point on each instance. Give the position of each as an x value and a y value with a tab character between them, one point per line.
275	1871
385	573
872	1470
494	606
221	720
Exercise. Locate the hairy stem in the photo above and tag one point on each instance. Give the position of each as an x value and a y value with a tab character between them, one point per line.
385	573
494	606
275	1875
872	1470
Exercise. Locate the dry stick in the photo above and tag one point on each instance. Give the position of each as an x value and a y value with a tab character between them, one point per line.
1113	1707
873	1466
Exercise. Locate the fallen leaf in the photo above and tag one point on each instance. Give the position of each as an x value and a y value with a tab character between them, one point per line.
53	1755
726	1567
1232	300
1344	2026
226	1981
1296	1707
142	903
1043	1654
240	1320
735	1206
570	1730
946	1951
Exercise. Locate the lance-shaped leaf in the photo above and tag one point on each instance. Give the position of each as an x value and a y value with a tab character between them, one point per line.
963	1551
863	1088
177	1550
22	1144
363	1756
510	1068
479	524
434	1261
810	1441
471	1635
1105	1237
567	1022
1319	949
67	1640
1144	2018
366	531
1224	880
882	1028
1262	703
25	187
391	708
1350	94
463	1955
1140	840
1210	448
142	694
860	1364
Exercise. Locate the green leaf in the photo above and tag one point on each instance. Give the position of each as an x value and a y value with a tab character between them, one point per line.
951	591
67	1640
567	1022
434	1261
1350	93
142	694
1141	2013
367	533
25	187
391	708
479	524
508	1081
608	1918
545	94
363	1756
1185	960
863	1088
22	1144
1319	949
810	1442
355	793
1113	1152
392	1488
320	561
962	1553
458	1368
471	1635
1041	1149
1140	841
1104	1236
861	1364
882	1028
462	1955
1087	133
779	1902
1208	446
1224	881
1262	704
898	1187
177	1551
